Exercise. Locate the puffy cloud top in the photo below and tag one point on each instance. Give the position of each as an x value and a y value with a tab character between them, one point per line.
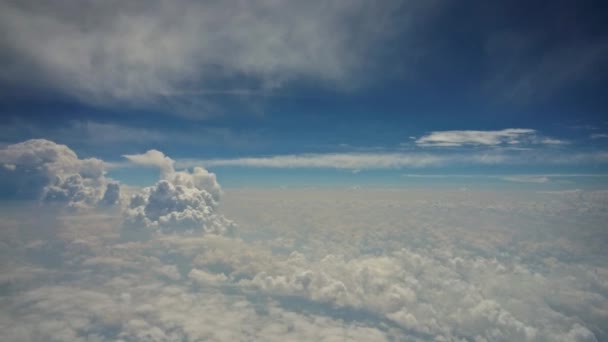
153	158
180	201
184	200
42	169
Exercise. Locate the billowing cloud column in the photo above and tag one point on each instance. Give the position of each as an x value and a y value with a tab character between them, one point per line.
42	169
180	201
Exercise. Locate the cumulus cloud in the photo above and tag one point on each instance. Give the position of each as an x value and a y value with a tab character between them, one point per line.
153	158
112	194
138	52
181	200
42	169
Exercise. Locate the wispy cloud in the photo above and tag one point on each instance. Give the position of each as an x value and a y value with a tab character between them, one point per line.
389	160
599	136
518	178
470	137
506	137
351	161
472	175
526	179
552	141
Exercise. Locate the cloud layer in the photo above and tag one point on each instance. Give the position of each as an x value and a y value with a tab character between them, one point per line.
328	265
140	51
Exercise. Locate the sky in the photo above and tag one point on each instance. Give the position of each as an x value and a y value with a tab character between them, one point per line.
381	90
303	171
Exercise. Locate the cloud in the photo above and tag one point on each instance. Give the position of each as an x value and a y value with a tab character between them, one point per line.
321	265
451	283
551	141
42	169
399	160
522	178
168	207
112	194
153	158
140	52
526	179
599	136
488	138
332	160
180	201
305	264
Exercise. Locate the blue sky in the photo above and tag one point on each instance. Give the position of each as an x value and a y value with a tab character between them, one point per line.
328	93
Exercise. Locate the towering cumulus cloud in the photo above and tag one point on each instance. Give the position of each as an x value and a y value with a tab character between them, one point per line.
42	169
180	201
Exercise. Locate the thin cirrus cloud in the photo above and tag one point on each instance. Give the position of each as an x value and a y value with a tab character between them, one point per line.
518	178
328	160
509	136
386	160
527	179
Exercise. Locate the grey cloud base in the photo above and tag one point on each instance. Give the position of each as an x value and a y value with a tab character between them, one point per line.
306	265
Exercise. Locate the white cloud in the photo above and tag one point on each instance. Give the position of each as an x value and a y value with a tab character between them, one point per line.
45	170
474	266
513	138
526	179
435	279
394	160
180	201
599	136
330	160
170	206
523	178
551	141
460	138
138	51
309	264
153	158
